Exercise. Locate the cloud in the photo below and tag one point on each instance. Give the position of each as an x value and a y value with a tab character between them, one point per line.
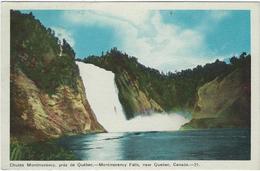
143	34
62	33
217	15
211	19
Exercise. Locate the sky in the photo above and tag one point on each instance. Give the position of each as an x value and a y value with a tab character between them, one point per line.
168	40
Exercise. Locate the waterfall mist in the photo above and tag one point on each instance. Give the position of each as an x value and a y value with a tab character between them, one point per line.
102	94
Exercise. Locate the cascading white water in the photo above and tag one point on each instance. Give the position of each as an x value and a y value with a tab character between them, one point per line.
102	95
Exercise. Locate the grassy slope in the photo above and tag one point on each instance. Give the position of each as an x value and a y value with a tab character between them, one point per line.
45	150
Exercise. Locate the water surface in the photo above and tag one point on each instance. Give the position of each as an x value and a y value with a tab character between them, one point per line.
212	144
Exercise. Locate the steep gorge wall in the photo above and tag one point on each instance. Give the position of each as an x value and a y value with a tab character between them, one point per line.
47	94
40	115
135	101
223	102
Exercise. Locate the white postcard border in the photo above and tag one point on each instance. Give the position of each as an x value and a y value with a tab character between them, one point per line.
254	163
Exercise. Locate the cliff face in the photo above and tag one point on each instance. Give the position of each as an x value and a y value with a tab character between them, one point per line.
136	101
223	102
47	93
37	114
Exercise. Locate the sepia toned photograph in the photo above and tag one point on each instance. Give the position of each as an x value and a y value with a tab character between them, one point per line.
130	84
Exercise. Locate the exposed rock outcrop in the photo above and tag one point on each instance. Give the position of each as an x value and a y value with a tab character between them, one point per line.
223	102
37	114
136	101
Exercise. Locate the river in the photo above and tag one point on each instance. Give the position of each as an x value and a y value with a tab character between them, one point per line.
211	144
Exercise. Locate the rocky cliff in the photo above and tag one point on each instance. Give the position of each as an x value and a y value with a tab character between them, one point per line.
223	102
136	101
36	114
47	93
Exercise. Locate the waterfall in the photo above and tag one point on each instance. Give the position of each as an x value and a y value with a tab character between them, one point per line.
102	94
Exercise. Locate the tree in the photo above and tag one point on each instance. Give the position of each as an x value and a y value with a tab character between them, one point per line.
68	49
233	60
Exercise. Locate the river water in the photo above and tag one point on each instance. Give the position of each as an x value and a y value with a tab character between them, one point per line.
211	144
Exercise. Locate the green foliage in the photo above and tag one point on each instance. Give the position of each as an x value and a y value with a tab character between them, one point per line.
243	62
39	151
68	49
172	91
36	51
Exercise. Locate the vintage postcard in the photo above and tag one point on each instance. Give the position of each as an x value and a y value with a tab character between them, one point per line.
130	85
